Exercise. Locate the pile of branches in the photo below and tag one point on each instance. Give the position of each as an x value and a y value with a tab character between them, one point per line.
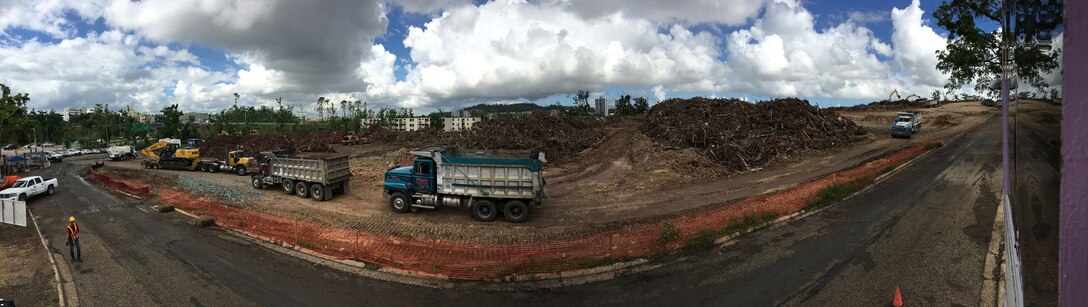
218	146
744	136
884	105
561	138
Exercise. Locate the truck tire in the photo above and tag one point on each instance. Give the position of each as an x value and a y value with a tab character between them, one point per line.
49	190
398	202
22	197
288	186
256	182
302	189
317	191
484	211
241	170
516	211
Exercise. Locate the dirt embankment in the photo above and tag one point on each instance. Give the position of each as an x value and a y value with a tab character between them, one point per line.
218	146
27	275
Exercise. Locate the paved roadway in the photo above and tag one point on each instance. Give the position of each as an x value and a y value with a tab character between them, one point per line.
925	229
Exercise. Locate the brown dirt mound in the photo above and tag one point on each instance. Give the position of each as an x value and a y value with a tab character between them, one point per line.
944	120
218	146
743	136
559	137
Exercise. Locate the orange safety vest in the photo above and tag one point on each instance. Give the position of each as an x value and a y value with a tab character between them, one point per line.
73	231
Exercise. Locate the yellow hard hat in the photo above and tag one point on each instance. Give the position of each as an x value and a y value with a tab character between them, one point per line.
71	219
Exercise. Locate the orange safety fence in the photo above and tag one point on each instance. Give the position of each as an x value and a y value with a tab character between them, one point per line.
483	261
130	187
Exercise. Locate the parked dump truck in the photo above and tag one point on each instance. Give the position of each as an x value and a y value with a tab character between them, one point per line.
315	175
907	124
487	183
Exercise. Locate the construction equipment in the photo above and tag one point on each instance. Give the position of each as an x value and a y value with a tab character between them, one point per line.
488	183
351	138
168	154
315	175
895	92
907	124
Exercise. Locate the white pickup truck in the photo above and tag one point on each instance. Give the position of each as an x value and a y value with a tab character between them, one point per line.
29	186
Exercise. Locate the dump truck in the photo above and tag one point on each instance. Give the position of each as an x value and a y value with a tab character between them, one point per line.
315	175
907	124
118	153
487	183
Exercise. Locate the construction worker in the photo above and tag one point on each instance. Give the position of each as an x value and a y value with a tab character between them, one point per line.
73	239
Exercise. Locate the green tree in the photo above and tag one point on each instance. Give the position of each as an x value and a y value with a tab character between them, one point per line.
974	54
581	104
936	95
641	105
14	123
171	122
623	105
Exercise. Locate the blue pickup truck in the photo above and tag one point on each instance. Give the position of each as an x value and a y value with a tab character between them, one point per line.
487	183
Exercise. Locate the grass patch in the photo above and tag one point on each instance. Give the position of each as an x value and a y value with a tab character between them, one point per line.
668	234
886	170
701	242
592	263
837	192
307	244
932	146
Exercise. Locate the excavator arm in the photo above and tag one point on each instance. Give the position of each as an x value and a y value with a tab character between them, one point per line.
150	150
895	92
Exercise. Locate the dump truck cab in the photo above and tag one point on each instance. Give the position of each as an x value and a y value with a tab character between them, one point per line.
419	177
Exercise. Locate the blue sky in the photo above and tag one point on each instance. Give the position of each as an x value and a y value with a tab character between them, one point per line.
153	53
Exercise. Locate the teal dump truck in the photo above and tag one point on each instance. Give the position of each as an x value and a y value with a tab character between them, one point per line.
488	183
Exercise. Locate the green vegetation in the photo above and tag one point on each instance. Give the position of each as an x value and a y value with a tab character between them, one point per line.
886	170
668	234
974	55
701	242
625	107
837	192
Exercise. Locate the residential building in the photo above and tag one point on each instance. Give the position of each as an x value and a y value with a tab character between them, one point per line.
458	123
367	122
143	118
409	123
69	112
602	106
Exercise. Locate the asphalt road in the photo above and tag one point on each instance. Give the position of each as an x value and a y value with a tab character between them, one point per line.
926	229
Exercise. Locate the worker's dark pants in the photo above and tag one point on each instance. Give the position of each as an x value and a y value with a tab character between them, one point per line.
73	249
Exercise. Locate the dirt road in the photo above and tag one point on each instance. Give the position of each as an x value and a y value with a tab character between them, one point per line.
926	229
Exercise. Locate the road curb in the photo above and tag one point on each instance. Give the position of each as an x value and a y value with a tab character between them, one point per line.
63	299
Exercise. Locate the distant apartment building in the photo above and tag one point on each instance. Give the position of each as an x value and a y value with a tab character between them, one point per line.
143	118
458	123
70	112
602	106
367	122
409	123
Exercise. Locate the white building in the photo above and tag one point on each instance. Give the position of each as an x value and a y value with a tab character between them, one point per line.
409	123
458	123
69	112
367	122
602	106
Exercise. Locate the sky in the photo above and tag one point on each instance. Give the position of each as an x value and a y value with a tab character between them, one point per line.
448	54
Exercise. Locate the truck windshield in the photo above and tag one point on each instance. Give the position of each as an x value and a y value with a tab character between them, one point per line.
903	120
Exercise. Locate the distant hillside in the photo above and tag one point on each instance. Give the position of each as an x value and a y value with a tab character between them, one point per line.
505	108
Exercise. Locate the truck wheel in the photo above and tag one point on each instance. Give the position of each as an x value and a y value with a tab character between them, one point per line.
257	184
22	197
398	202
317	192
302	190
241	170
516	211
484	211
49	191
288	186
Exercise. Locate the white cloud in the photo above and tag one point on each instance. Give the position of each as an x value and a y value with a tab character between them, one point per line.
728	12
47	16
915	47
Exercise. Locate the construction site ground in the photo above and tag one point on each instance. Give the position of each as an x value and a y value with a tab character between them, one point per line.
623	179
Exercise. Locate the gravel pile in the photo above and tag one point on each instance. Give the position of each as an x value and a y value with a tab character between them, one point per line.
206	188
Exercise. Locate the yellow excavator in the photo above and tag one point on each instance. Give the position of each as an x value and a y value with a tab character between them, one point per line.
168	154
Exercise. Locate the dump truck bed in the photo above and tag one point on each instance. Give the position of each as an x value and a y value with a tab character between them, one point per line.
312	167
491	173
